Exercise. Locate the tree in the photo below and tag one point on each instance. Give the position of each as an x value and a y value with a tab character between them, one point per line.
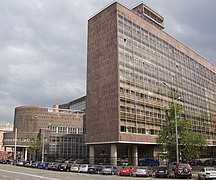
35	144
191	143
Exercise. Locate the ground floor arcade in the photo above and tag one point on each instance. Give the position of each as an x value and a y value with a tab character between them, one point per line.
118	153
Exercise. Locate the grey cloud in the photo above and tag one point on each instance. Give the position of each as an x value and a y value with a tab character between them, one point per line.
43	45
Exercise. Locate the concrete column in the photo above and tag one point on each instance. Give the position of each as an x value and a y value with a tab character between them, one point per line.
91	154
26	153
23	153
113	154
134	155
129	155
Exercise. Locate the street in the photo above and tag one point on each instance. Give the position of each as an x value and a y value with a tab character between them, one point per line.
9	172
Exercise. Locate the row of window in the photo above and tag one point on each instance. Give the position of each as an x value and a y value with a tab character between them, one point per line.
65	130
125	23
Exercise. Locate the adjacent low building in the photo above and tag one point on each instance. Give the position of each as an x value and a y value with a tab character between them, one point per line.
5	128
61	132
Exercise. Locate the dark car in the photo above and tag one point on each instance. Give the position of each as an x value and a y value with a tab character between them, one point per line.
56	167
43	165
65	167
163	171
183	170
95	169
2	161
36	164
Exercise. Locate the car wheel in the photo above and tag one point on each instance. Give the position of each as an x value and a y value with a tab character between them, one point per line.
186	170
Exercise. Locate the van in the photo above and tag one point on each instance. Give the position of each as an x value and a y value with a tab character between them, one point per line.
148	162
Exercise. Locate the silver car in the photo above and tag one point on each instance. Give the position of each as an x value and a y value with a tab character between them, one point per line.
142	171
207	173
110	170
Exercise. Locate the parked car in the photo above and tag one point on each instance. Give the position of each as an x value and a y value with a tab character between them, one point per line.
207	173
4	161
75	168
111	170
43	165
126	170
81	161
21	163
56	166
95	169
148	162
84	168
65	167
163	171
142	171
50	165
122	161
183	170
28	164
36	164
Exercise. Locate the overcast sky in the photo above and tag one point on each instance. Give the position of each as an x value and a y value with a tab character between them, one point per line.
43	45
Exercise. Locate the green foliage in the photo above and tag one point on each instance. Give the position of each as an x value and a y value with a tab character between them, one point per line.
190	143
35	144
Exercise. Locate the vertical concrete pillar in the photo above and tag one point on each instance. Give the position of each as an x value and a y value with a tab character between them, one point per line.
23	153
91	154
134	155
129	155
26	153
113	154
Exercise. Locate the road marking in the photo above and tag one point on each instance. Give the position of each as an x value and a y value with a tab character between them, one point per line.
42	177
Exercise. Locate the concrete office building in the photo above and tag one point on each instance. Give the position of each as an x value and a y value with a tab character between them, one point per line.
132	68
60	130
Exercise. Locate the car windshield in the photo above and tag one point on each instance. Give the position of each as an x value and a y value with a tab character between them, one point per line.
142	168
211	169
162	168
109	167
183	165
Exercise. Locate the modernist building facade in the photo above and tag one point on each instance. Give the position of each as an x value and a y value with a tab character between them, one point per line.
61	132
133	67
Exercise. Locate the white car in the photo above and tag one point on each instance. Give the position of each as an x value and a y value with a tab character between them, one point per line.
75	168
207	173
83	168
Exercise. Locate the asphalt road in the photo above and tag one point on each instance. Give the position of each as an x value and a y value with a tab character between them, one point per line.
9	172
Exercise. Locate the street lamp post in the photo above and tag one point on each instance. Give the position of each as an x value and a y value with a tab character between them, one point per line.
42	156
43	143
15	145
176	123
176	130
